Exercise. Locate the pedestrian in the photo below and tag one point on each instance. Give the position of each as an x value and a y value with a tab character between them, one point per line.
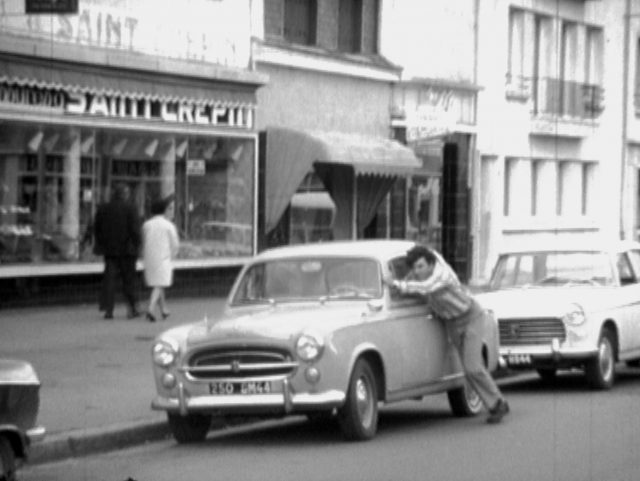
463	318
160	247
117	238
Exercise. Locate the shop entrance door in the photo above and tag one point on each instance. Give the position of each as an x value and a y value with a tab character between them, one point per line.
456	242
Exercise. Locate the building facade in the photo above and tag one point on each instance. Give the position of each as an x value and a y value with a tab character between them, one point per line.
327	154
550	124
152	94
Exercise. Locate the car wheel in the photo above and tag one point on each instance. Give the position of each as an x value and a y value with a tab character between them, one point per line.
600	371
547	374
7	460
191	428
358	417
464	401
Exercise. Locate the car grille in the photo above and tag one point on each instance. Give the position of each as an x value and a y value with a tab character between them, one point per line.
240	363
527	331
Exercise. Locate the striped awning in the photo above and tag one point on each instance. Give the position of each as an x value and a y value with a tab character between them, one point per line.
111	81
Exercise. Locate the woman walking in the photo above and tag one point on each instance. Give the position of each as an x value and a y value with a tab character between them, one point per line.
160	247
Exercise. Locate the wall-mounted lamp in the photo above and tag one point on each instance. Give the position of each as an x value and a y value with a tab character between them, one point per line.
237	152
51	142
209	151
151	148
36	140
118	148
181	148
87	144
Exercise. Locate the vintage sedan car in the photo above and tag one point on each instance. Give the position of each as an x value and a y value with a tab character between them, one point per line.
562	307
313	330
19	404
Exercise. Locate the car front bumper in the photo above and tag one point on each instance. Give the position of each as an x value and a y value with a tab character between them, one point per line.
552	353
280	402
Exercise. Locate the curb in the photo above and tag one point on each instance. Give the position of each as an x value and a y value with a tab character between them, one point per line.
88	441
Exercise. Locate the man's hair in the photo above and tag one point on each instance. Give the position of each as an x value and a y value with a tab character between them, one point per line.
417	252
161	205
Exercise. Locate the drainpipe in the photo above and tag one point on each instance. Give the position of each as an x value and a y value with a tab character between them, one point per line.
625	107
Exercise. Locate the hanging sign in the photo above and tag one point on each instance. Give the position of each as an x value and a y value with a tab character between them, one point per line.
196	167
51	6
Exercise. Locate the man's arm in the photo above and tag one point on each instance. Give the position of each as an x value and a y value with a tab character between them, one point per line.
441	277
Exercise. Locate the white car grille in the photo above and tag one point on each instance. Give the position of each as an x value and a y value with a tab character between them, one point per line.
527	331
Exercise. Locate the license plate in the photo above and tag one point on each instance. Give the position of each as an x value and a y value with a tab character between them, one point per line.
519	359
245	388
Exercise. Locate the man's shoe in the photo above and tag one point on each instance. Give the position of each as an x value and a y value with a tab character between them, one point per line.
108	315
498	412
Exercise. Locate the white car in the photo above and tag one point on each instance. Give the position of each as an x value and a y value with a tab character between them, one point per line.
566	307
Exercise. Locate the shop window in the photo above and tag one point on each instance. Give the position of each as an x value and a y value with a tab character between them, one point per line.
424	216
53	179
312	212
300	21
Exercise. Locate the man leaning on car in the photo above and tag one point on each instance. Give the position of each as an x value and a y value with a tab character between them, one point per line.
462	315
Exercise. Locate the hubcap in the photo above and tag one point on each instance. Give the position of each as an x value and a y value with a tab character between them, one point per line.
605	355
364	401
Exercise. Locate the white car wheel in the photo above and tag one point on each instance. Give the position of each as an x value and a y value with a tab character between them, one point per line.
600	370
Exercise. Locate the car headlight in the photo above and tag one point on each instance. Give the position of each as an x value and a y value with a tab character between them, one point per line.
309	347
574	316
164	353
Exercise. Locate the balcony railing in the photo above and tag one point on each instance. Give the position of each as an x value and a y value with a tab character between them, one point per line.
558	98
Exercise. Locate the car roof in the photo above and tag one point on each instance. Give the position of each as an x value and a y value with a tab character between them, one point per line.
581	245
381	249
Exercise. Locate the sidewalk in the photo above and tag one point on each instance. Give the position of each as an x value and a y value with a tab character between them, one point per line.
96	379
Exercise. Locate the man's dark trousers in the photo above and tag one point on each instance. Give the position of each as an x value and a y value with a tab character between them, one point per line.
125	266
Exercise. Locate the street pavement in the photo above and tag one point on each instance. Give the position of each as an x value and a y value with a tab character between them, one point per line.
95	374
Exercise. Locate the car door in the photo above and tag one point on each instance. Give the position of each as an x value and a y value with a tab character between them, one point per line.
422	336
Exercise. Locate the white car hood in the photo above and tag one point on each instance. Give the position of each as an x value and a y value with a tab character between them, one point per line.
546	301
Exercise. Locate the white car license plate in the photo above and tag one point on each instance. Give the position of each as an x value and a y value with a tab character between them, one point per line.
519	359
249	387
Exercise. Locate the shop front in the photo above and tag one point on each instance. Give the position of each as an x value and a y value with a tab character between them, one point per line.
323	185
70	132
436	120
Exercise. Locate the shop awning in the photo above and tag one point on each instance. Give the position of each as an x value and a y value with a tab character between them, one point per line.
292	153
112	81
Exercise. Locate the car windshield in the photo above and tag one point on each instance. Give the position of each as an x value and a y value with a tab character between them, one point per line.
309	278
552	268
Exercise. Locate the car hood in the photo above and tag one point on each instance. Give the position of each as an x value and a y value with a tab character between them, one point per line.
546	301
280	322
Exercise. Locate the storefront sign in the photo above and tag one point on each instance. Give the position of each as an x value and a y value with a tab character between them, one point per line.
51	6
196	167
121	107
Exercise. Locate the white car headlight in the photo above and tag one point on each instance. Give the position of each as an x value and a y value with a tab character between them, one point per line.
164	353
574	316
309	346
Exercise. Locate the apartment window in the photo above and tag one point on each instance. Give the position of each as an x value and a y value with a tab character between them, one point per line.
518	192
545	95
637	82
516	47
544	173
358	26
300	21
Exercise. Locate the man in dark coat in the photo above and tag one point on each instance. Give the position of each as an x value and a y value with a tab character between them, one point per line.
118	238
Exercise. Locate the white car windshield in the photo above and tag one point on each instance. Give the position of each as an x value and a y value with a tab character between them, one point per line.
309	278
552	268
